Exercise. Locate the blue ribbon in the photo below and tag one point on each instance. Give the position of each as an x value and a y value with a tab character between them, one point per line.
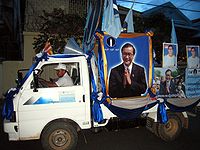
97	112
44	56
65	56
182	108
8	104
37	60
101	69
162	113
96	108
90	54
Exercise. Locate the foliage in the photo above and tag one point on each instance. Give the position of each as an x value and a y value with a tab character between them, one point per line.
160	25
157	73
175	73
56	28
162	32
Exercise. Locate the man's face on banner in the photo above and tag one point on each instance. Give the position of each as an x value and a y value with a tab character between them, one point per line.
168	75
193	52
127	55
170	50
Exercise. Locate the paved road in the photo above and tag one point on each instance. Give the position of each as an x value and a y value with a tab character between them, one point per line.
124	139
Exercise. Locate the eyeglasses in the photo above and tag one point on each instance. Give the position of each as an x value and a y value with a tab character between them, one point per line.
127	54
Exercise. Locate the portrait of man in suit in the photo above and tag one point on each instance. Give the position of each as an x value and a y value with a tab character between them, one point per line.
127	79
168	86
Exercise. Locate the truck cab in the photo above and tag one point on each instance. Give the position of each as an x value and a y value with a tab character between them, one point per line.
35	106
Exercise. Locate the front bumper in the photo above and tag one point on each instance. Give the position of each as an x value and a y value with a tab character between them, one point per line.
12	129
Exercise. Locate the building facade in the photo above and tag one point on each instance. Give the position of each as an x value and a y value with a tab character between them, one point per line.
30	24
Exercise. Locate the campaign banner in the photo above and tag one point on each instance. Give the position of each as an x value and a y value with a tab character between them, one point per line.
193	56
169	82
170	52
129	64
192	82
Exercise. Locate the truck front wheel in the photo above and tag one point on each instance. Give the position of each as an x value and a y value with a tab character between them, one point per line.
171	130
59	135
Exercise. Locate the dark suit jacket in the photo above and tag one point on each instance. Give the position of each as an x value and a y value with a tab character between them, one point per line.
138	82
163	89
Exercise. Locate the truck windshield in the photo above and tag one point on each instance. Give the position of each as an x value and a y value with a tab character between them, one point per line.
23	79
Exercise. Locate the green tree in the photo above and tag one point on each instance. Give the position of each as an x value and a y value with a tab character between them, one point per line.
175	73
157	73
56	28
160	25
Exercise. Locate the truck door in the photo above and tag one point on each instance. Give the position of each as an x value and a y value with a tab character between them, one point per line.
44	104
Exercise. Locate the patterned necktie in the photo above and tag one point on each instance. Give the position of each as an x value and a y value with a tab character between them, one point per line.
128	70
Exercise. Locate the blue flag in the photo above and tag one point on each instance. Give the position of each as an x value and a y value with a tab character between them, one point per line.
89	13
111	21
173	33
129	20
93	16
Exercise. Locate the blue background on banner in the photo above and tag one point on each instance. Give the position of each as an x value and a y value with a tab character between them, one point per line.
113	53
174	49
196	51
192	81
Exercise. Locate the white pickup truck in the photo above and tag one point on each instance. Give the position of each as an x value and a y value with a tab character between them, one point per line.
56	114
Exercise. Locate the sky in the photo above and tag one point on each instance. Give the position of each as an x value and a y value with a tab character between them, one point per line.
190	8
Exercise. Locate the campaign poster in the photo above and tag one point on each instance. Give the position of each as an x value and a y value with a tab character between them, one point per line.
170	52
169	82
129	63
192	82
193	56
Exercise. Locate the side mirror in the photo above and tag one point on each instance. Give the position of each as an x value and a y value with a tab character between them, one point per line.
19	75
35	81
19	78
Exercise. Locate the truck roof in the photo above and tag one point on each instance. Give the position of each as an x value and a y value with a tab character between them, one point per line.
65	55
44	56
62	57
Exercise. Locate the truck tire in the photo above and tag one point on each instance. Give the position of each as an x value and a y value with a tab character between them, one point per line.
172	129
152	126
155	129
59	135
